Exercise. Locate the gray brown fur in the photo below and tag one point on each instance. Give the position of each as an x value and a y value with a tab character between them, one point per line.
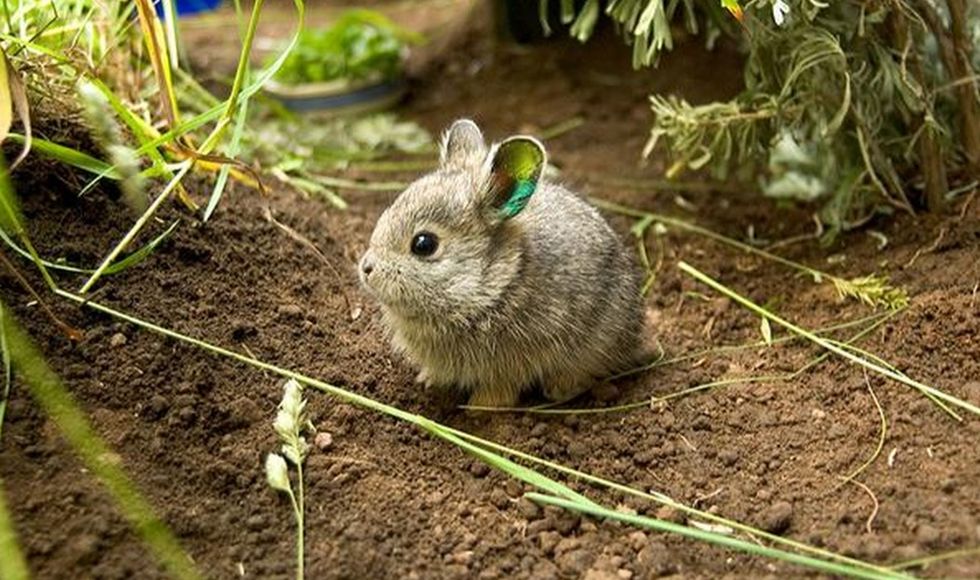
549	297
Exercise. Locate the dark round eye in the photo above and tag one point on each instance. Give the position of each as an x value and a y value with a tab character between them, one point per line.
425	244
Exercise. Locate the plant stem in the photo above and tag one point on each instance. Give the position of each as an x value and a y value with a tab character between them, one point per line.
930	152
300	521
926	389
966	93
135	230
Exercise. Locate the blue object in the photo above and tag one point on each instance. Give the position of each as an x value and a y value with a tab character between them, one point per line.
187	7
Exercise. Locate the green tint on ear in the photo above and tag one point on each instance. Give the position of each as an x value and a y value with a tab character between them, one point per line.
514	173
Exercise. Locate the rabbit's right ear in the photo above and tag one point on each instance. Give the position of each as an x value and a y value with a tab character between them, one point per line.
462	146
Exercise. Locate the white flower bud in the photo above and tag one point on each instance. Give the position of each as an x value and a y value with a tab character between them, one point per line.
276	473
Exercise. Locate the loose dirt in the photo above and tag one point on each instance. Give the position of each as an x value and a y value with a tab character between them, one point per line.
385	500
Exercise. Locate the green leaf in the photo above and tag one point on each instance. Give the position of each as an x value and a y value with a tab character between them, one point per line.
70	156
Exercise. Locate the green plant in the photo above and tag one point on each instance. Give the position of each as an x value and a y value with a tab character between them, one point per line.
863	107
290	424
361	44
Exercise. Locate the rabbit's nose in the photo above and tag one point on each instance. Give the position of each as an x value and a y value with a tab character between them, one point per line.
367	266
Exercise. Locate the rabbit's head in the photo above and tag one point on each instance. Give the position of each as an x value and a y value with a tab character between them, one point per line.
449	247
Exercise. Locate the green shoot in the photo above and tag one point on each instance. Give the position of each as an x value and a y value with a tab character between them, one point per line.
290	424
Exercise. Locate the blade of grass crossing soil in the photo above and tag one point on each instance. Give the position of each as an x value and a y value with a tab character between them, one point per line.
711	538
843	353
47	390
483	446
13	566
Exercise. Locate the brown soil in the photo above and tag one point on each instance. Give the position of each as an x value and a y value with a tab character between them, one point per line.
385	500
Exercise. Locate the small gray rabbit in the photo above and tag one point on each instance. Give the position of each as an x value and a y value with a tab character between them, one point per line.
493	280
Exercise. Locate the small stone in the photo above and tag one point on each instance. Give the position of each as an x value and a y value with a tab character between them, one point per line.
117	340
255	523
778	517
290	310
156	407
948	485
567	545
637	540
670	514
539	430
567	523
548	541
654	560
499	499
763	494
479	469
513	488
323	440
818	414
574	563
528	509
577	449
594	574
465	557
624	574
728	457
927	535
539	526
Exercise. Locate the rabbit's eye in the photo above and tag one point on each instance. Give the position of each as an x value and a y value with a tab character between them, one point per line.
425	244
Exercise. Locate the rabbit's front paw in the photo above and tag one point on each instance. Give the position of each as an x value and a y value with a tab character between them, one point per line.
494	397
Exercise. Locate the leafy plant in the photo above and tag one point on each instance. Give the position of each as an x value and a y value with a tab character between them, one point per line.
362	44
865	107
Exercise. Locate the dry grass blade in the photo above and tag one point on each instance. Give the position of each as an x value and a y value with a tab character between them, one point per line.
13	96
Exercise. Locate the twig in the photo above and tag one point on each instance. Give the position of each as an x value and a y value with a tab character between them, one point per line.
932	248
874	502
298	237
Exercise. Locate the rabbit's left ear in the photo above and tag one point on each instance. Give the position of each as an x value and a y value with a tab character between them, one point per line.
515	169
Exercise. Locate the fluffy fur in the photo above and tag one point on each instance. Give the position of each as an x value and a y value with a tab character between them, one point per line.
549	297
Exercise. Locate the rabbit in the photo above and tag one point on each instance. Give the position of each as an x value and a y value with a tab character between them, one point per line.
494	280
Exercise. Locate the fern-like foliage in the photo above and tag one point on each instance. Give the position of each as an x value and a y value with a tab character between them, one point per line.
863	106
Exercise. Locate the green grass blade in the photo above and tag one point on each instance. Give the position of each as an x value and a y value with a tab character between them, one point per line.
142	253
116	267
13	566
5	353
57	402
713	538
133	231
70	156
843	353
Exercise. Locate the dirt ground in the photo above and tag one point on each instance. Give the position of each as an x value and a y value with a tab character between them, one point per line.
385	500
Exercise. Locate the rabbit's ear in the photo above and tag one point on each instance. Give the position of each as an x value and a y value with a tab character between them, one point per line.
515	170
462	145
